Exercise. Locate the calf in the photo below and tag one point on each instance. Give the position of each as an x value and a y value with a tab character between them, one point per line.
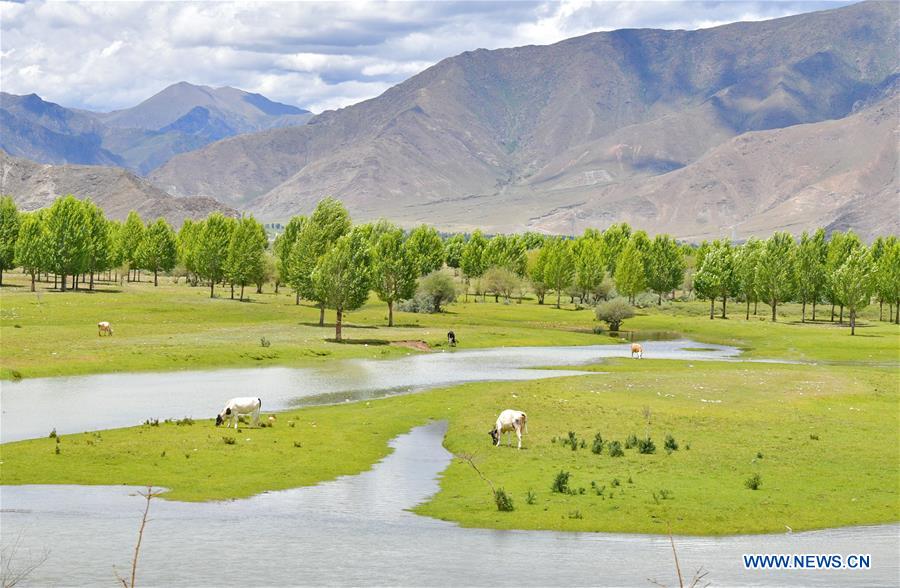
636	348
451	339
104	327
508	421
238	406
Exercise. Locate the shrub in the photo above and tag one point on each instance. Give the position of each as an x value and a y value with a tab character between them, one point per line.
53	433
439	286
530	497
647	299
57	450
501	282
598	489
615	449
615	482
421	303
152	422
297	444
759	455
597	447
753	482
186	421
575	514
671	444
561	483
665	494
572	440
646	446
264	342
631	442
503	500
613	312
16	375
813	437
227	440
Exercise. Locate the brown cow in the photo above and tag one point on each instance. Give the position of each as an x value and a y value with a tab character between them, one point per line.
637	348
104	327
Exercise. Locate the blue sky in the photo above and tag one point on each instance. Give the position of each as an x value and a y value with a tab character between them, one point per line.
317	55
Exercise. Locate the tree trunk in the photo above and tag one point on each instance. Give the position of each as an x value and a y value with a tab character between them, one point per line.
32	281
212	285
659	302
881	310
337	325
63	283
724	299
276	286
841	317
321	315
803	313
814	310
774	307
297	300
496	298
55	280
748	310
390	313
852	321
242	292
712	308
557	299
155	278
755	307
259	288
1	276
232	290
832	312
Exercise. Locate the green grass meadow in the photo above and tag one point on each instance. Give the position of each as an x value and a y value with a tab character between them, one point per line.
822	435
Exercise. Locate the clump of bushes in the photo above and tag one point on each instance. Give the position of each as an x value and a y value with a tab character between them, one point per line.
435	289
152	422
753	482
670	444
813	436
53	433
646	446
631	441
575	514
561	483
615	449
503	500
598	489
297	444
530	497
186	421
227	440
571	440
264	342
597	446
613	312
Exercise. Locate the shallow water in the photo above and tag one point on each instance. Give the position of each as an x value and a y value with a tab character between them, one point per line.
355	531
32	407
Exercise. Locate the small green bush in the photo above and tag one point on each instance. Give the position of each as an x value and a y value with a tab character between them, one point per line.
53	434
227	440
615	449
503	500
631	441
530	497
753	482
297	444
615	482
671	444
614	312
575	514
264	342
646	446
597	447
759	455
561	483
813	437
186	421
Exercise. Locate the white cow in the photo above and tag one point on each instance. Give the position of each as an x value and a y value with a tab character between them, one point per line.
104	327
238	406
508	421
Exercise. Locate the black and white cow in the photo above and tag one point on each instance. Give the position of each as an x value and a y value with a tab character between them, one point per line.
238	406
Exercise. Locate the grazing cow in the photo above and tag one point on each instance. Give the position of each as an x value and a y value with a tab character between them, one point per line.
508	421
104	327
238	406
451	339
636	348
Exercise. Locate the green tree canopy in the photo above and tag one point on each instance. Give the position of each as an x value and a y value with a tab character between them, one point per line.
427	249
559	265
809	269
9	234
67	227
853	283
159	249
31	244
394	271
342	276
212	249
630	269
716	276
589	267
245	262
472	262
775	271
130	240
665	265
453	250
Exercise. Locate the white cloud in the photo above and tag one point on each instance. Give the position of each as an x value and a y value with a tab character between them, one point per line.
318	55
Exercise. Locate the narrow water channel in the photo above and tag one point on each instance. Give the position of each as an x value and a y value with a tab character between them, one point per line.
356	531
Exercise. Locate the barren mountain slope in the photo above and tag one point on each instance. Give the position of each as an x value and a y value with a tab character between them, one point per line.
115	190
549	126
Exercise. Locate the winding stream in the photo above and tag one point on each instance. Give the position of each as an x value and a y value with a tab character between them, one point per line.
32	407
355	531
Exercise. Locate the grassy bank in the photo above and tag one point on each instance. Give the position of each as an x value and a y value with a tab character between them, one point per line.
175	327
822	439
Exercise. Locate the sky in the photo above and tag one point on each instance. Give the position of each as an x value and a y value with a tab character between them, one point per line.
316	55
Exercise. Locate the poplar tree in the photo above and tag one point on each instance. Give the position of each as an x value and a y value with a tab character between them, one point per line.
775	271
427	249
809	269
9	234
537	260
68	237
630	271
614	240
394	272
99	244
212	249
716	276
159	249
589	267
746	258
665	266
559	266
341	278
283	245
31	244
853	284
472	262
130	240
453	250
246	250
840	246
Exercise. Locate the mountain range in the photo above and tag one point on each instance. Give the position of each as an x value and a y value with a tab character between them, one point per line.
557	137
180	118
737	130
